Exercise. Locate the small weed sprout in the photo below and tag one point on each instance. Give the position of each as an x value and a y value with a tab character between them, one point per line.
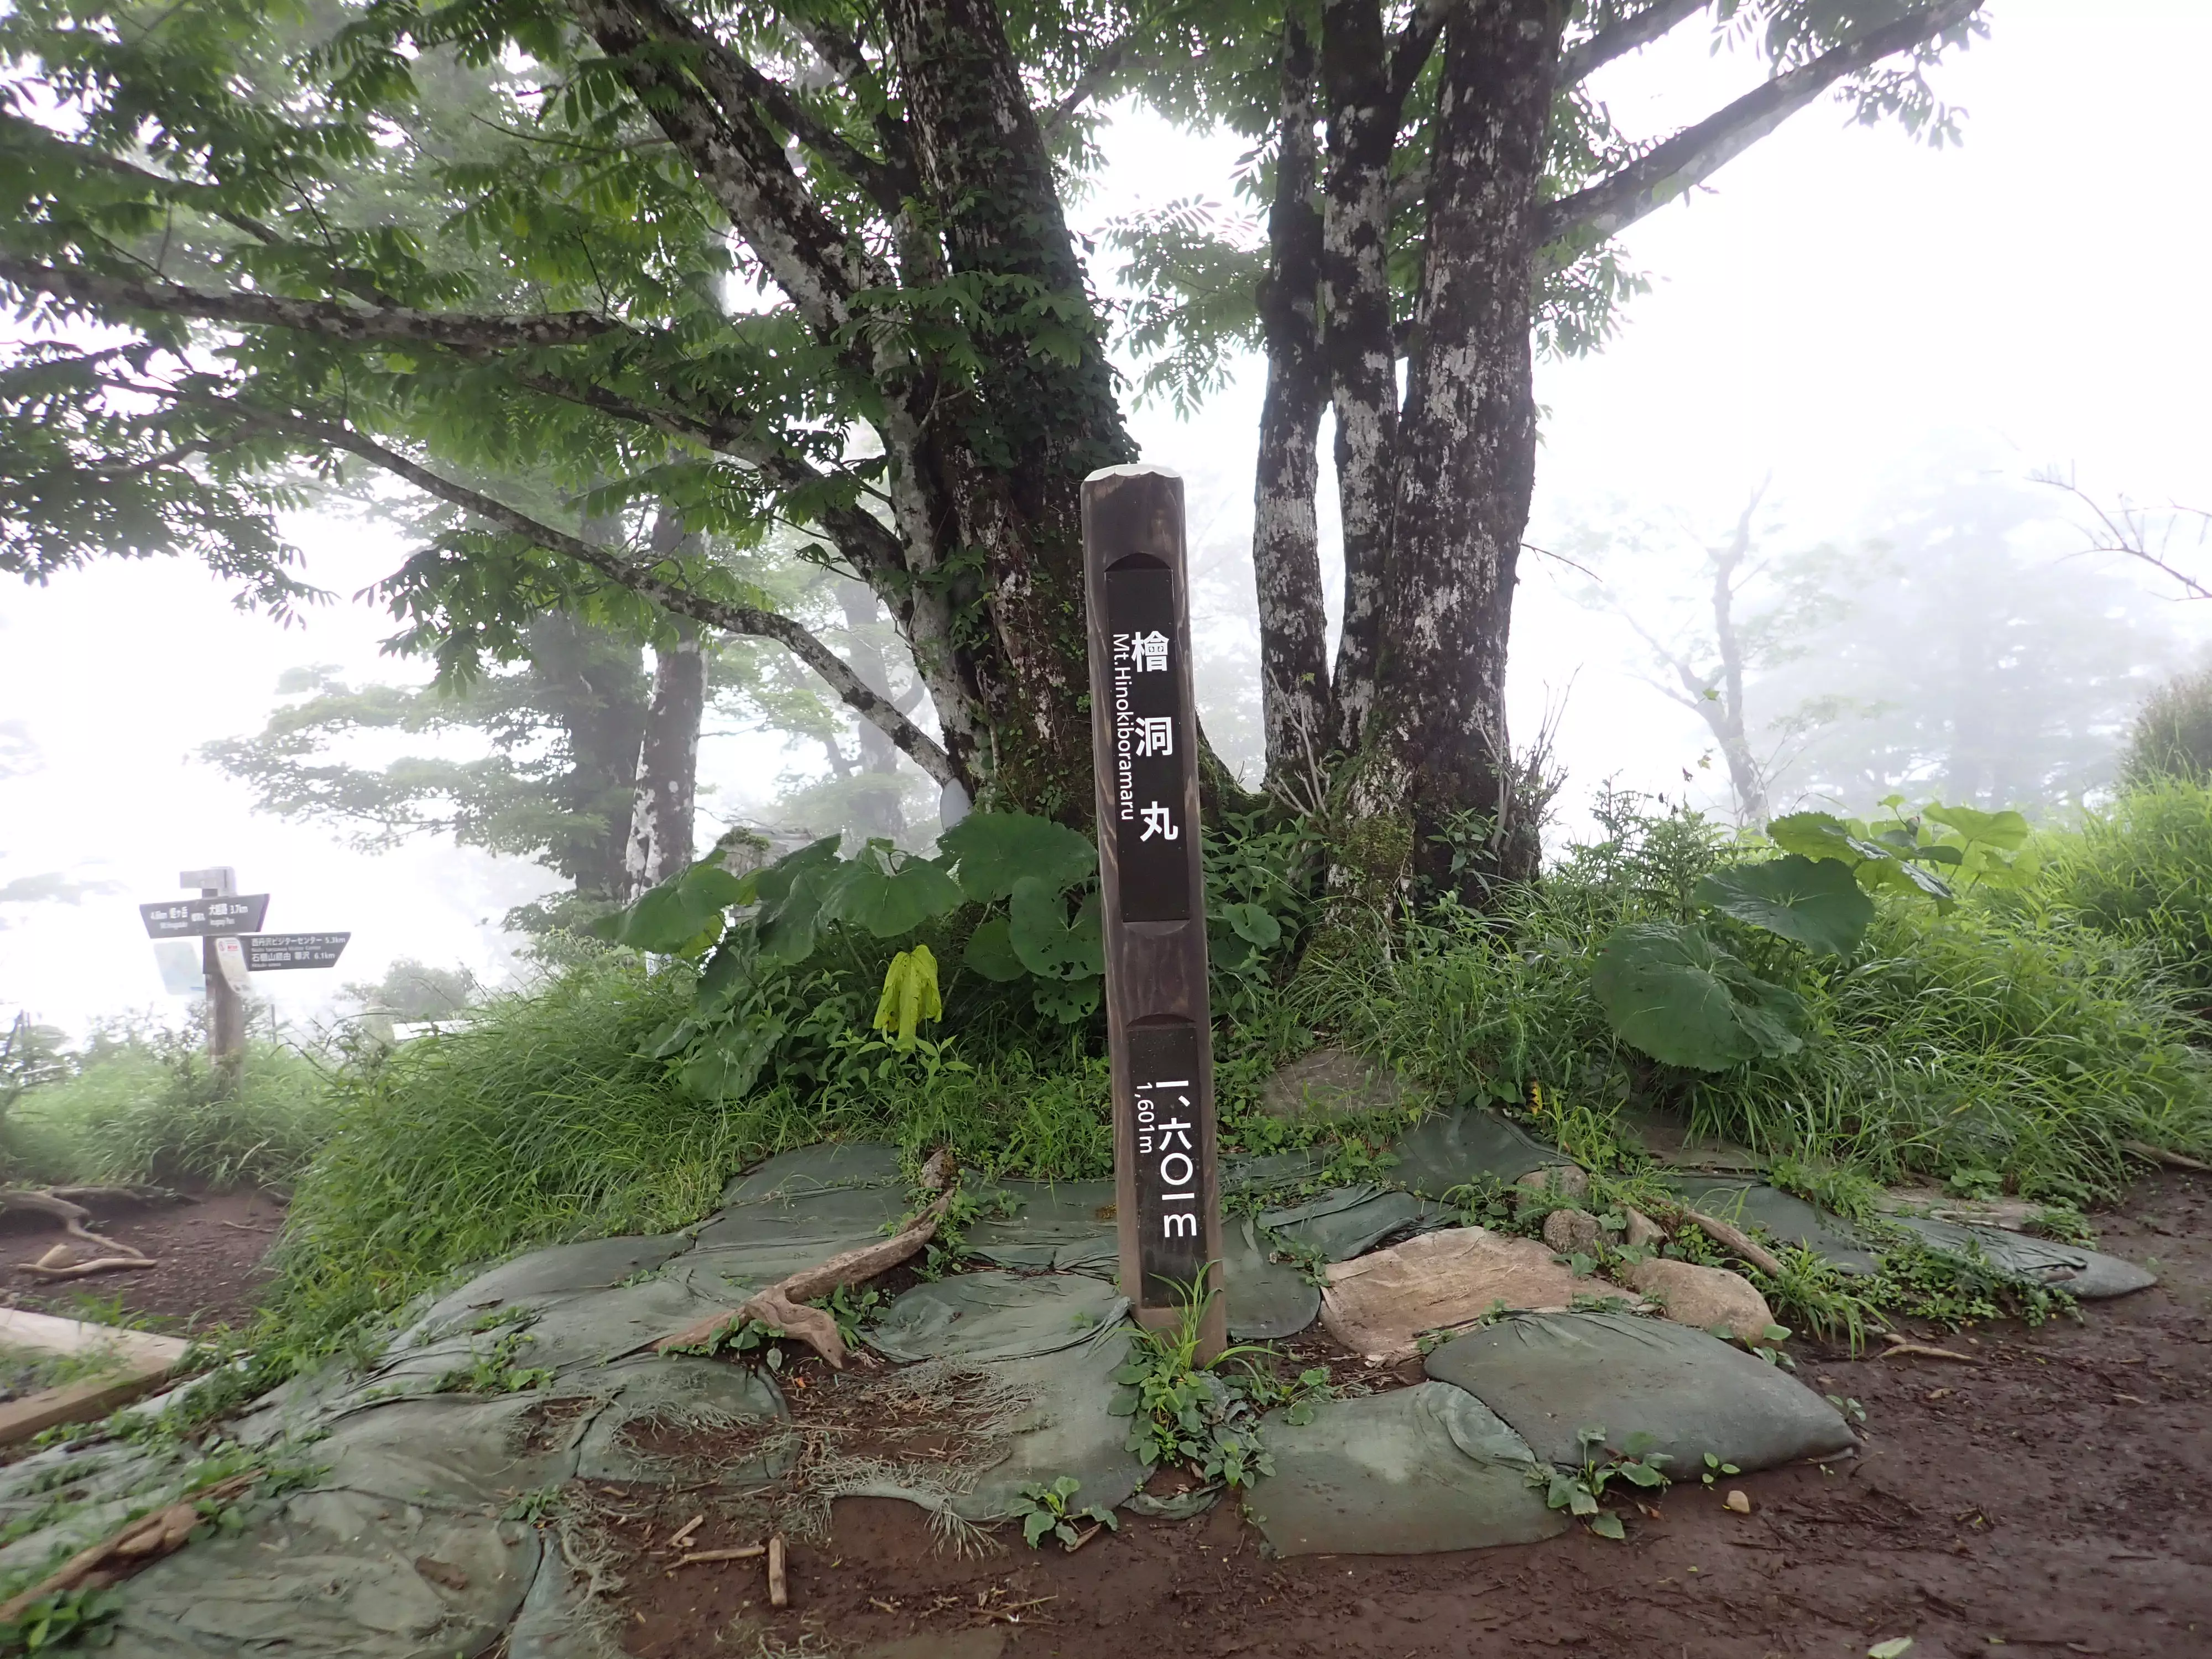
1049	1510
1582	1492
1716	1469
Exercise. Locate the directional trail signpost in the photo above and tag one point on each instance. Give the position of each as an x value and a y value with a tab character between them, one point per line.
227	924
1143	727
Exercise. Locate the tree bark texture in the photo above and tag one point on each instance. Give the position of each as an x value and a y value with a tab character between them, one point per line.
1363	110
1298	708
1436	747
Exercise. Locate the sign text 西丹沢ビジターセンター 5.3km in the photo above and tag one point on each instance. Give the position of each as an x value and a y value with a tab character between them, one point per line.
271	952
205	918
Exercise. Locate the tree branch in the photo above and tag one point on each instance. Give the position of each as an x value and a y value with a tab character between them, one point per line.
1693	154
879	710
1118	55
1577	62
325	317
1411	49
886	186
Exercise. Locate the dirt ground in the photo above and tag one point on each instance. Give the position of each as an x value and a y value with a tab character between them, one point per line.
208	1251
2042	1499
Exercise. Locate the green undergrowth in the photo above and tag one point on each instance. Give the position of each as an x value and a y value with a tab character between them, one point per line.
144	1106
2003	1036
2142	871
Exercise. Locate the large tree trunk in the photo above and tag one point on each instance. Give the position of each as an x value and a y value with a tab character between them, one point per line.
1297	710
1363	110
668	765
1007	453
1438	757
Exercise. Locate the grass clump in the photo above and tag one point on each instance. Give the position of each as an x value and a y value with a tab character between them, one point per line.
2142	871
144	1105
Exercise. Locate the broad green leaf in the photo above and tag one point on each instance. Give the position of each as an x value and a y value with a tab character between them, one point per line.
1608	1525
995	850
990	952
2007	831
1675	995
888	893
1889	876
1067	1000
1816	903
1252	924
1048	944
682	915
910	996
1818	836
727	1065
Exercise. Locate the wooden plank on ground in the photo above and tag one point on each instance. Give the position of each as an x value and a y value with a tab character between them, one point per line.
45	1333
76	1402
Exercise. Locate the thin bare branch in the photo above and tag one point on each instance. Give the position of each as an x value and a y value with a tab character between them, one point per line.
642	580
325	317
2127	530
1578	60
1696	153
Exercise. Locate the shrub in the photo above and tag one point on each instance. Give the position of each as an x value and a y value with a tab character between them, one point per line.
2172	735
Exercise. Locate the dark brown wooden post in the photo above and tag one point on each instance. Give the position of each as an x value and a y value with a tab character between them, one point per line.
226	1008
1144	735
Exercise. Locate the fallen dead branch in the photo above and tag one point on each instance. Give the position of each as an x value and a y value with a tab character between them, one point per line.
2143	1149
146	1539
743	1553
778	1585
105	1264
72	1216
1899	1345
1730	1237
781	1305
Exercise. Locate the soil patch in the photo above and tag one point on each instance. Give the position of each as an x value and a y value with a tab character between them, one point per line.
210	1251
2039	1499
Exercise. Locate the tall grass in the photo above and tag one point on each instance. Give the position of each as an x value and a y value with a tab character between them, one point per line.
543	1121
2024	1042
147	1108
2144	871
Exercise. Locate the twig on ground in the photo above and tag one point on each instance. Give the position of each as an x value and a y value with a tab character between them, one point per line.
1899	1345
105	1264
137	1541
781	1306
743	1553
779	1586
682	1535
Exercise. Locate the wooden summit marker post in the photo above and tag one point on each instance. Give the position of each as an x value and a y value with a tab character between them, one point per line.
1144	735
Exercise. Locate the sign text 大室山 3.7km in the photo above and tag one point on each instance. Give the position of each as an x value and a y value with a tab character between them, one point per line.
1144	738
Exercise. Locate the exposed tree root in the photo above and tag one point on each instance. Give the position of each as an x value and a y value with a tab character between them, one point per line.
133	1545
2143	1149
781	1305
105	1264
72	1216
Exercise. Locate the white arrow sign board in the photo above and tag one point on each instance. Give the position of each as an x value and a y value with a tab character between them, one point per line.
230	956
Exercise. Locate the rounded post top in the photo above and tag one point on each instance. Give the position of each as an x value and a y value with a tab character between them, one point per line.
1134	469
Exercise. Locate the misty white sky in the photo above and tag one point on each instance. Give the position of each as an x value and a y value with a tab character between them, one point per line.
1842	302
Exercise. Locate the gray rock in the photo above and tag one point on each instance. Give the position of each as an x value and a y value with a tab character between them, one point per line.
1331	1083
1573	1232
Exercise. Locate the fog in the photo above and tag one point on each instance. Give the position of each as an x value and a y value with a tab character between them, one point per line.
1847	321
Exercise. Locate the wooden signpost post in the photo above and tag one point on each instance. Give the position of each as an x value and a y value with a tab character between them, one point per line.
1143	727
227	923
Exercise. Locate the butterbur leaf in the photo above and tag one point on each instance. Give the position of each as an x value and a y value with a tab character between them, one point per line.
1252	923
1675	995
992	851
1607	1526
1035	1525
682	916
887	892
1815	904
990	951
1068	1002
2007	831
1889	875
1047	943
1818	836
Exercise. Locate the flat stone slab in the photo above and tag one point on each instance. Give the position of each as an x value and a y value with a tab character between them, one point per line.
1065	1226
1551	1376
1412	1472
1380	1304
